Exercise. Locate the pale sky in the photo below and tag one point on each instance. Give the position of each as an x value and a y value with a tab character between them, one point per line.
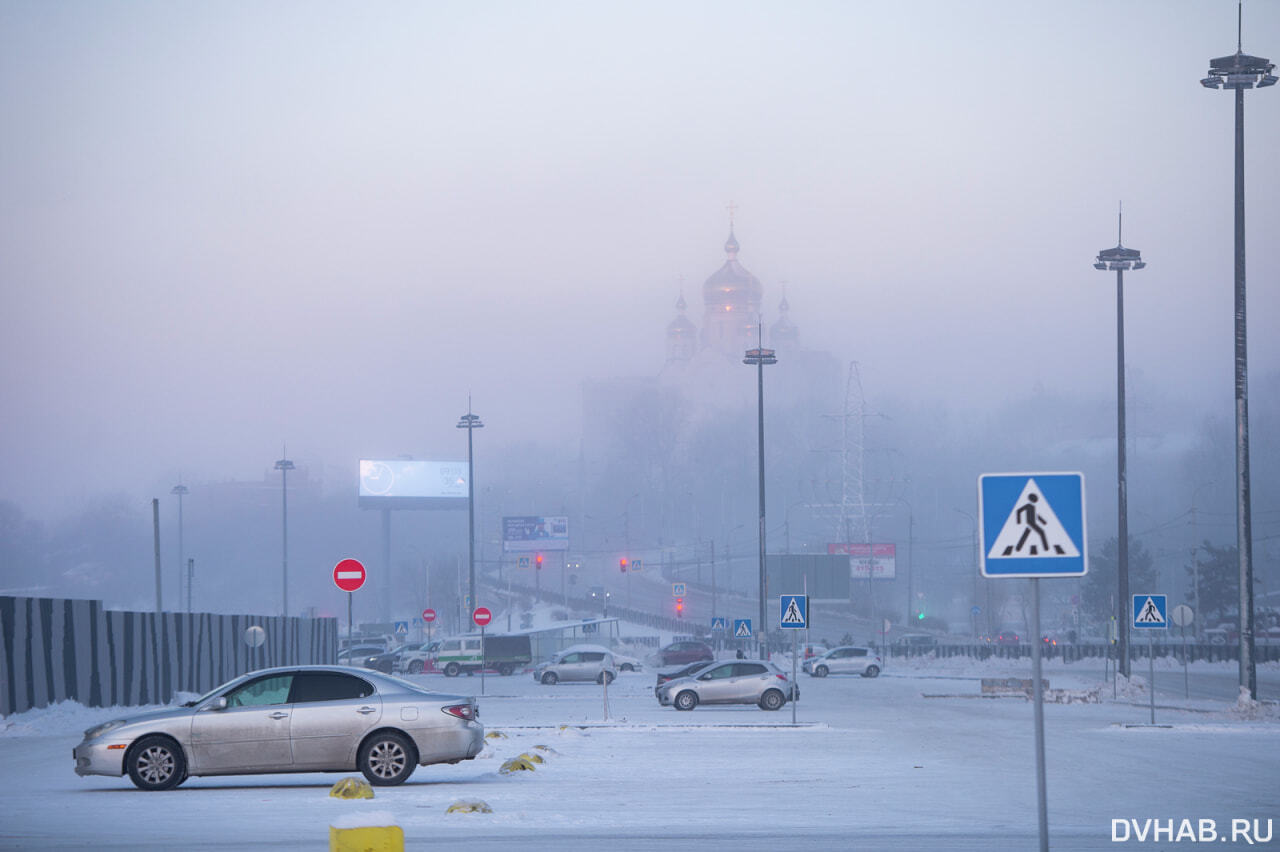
225	225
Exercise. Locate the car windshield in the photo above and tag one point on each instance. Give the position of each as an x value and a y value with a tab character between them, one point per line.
214	691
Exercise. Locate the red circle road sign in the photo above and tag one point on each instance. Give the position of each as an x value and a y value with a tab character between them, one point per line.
348	575
482	616
428	615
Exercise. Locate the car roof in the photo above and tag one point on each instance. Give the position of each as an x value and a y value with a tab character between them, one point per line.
572	649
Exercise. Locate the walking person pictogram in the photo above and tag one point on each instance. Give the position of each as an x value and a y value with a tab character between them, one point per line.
1028	517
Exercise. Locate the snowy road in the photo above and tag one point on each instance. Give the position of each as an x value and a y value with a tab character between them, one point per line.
873	765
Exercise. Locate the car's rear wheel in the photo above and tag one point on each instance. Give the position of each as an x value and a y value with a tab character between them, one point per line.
605	677
626	667
821	671
452	669
156	763
387	759
550	679
686	700
506	669
772	700
414	667
872	671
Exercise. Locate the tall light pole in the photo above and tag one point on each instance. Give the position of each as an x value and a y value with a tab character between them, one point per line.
973	616
911	562
1239	72
284	466
181	491
758	358
471	422
1120	259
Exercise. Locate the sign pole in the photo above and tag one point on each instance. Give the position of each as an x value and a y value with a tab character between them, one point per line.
1038	692
795	652
350	641
1151	659
1186	683
483	661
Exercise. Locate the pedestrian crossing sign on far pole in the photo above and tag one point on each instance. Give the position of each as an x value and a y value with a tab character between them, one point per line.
742	628
793	611
1032	525
1150	612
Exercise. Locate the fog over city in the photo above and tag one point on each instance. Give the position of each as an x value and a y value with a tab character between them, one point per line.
235	230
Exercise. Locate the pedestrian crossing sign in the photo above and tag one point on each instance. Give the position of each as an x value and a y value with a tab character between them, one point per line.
1150	612
717	623
1032	525
402	628
742	628
793	612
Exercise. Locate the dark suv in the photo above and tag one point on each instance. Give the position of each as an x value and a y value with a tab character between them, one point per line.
680	653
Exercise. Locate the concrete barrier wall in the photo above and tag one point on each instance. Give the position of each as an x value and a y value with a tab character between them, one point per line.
55	649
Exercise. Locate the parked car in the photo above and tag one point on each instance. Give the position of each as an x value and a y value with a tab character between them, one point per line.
847	659
384	662
355	655
578	663
414	660
289	719
731	682
675	674
684	652
627	663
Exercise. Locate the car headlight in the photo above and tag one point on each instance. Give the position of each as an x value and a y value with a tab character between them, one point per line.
99	730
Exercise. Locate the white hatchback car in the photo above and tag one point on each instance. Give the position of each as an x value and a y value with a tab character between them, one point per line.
847	659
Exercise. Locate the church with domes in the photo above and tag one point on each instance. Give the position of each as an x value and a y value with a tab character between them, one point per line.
731	318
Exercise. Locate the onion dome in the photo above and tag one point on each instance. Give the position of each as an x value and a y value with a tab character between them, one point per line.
783	331
731	287
682	335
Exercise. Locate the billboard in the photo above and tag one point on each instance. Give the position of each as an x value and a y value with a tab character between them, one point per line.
527	533
401	484
874	561
823	577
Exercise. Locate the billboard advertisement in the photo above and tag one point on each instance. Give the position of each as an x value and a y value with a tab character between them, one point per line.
874	561
527	533
401	484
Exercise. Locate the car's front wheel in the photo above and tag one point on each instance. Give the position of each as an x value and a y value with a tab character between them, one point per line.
550	679
626	667
156	763
872	671
821	671
506	669
772	700
452	669
387	759
686	700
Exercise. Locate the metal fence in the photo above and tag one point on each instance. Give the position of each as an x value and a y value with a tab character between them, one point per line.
55	649
1101	651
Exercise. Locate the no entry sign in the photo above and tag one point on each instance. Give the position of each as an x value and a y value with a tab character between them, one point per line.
482	616
428	615
348	575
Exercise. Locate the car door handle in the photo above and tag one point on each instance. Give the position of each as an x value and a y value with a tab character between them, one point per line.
279	715
365	711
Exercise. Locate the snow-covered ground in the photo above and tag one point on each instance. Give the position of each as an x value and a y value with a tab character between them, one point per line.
872	764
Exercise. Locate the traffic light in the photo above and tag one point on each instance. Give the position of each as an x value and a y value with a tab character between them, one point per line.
920	616
622	565
679	607
538	560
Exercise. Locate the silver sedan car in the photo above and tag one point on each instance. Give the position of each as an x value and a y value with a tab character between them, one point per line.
290	719
730	682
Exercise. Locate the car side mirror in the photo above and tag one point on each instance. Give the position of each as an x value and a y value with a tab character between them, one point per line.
705	677
219	703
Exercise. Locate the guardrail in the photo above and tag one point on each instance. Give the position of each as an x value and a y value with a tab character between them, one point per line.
1073	652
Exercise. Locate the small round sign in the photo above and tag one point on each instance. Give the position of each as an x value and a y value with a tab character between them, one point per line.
254	636
1182	615
428	615
349	575
482	616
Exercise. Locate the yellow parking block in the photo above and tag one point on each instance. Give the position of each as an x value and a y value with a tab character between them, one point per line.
382	838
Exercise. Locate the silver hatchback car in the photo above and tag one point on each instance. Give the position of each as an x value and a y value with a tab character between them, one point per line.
730	682
847	659
291	719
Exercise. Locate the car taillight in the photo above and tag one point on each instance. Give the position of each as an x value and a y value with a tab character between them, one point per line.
462	711
780	676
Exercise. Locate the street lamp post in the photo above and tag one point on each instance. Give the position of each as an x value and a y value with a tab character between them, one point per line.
181	491
1239	72
973	616
758	358
284	466
1119	259
471	422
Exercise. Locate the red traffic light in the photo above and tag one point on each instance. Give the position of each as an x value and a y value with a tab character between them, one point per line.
622	565
679	607
538	560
